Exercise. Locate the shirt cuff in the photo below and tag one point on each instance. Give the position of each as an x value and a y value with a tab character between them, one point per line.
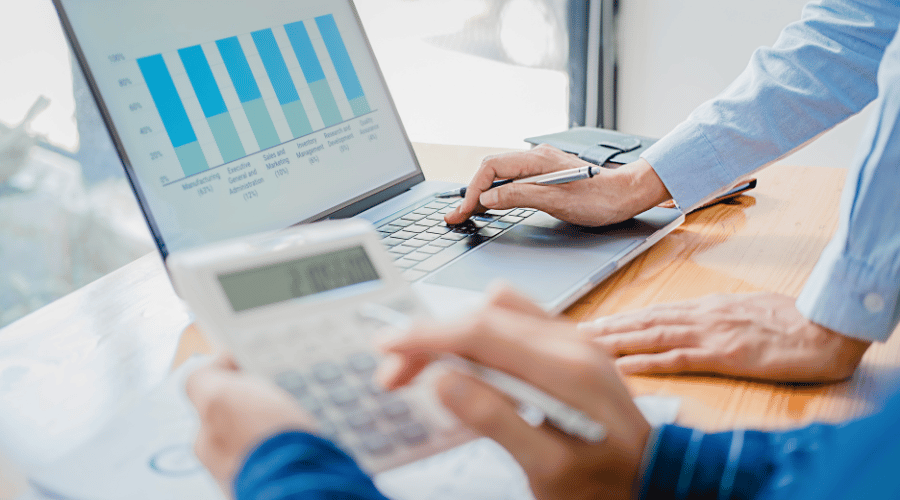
300	465
851	297
688	166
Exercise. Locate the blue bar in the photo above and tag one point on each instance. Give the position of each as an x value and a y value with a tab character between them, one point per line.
305	52
167	101
203	81
275	66
339	56
238	69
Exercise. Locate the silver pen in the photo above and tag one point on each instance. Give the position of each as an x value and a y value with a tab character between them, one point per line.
536	407
561	177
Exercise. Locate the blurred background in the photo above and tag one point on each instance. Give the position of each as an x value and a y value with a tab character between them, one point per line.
472	72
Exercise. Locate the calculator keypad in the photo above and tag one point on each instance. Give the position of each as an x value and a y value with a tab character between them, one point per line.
328	366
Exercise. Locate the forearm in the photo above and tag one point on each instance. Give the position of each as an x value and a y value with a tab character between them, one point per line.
855	286
300	465
819	72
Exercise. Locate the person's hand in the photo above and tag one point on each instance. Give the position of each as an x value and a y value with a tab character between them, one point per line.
759	336
611	196
515	336
237	412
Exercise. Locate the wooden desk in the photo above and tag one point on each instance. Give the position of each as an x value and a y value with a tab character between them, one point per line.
65	369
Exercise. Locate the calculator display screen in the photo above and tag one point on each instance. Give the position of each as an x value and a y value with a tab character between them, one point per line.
293	279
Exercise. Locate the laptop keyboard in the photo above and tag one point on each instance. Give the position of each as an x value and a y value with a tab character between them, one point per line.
421	241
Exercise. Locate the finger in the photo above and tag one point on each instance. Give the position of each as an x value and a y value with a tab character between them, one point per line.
205	384
504	296
399	370
546	198
505	166
539	351
225	361
674	361
640	320
489	413
653	340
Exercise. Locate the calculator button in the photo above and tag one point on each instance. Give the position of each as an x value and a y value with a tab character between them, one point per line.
413	433
362	363
292	382
376	444
361	421
311	404
327	430
374	388
396	411
327	372
344	397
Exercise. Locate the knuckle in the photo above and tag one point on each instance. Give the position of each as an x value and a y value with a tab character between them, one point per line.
680	360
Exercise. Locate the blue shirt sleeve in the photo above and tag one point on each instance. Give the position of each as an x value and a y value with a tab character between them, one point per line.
821	70
855	286
855	460
299	465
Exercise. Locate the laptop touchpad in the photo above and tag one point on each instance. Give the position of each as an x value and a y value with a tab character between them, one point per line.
543	262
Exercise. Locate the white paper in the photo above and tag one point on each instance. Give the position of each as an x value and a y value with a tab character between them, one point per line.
146	453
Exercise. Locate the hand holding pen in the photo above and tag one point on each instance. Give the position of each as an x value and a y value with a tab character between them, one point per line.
609	196
551	179
516	337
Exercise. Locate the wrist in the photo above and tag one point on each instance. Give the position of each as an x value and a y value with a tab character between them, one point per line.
645	189
846	352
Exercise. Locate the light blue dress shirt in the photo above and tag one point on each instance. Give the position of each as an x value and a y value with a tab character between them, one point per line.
826	67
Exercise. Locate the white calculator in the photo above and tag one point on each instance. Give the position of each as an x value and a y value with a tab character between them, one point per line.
300	307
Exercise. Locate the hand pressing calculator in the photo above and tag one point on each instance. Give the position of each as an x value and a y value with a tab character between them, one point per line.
301	307
296	308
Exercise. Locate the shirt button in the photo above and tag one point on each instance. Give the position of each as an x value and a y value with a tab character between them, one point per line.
873	302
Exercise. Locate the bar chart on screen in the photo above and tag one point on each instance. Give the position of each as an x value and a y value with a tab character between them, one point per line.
224	100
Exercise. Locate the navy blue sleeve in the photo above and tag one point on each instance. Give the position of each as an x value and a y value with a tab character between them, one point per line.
855	460
691	464
300	465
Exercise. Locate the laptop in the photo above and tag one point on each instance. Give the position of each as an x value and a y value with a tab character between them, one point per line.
244	117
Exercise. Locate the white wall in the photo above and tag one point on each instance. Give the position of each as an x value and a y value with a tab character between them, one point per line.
676	54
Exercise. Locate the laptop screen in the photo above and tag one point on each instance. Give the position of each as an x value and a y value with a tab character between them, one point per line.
239	117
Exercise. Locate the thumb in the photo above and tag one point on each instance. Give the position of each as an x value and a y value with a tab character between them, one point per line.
491	414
